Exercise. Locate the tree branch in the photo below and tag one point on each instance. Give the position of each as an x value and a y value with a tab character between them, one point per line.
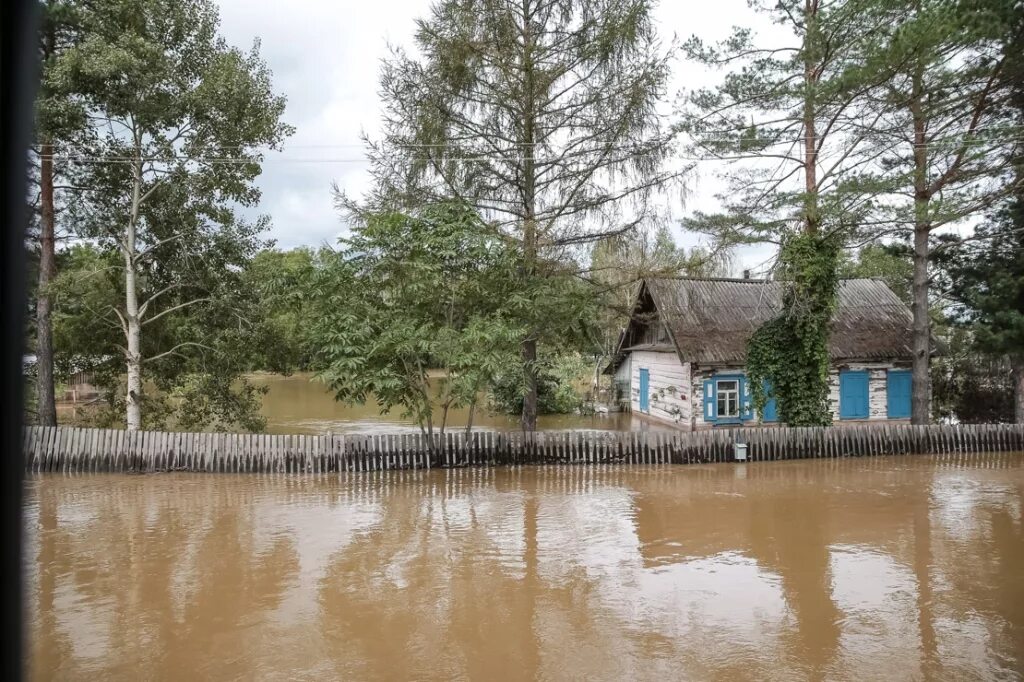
175	307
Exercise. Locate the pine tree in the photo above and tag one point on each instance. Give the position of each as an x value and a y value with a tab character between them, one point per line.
988	276
942	136
790	126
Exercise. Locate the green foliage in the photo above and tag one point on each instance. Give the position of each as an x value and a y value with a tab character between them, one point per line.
164	88
219	401
790	352
411	293
538	113
168	101
199	385
425	312
275	276
558	379
892	262
85	288
987	280
60	110
786	122
969	386
543	116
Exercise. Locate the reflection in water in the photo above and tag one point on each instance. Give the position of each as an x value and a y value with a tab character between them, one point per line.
300	404
858	569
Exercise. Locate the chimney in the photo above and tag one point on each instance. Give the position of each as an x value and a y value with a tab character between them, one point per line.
746	274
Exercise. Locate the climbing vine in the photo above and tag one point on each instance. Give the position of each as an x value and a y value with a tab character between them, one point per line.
790	351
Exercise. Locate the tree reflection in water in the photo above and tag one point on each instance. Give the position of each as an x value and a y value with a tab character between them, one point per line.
892	567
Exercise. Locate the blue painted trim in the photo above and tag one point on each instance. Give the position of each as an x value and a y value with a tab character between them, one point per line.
898	407
710	412
645	390
770	413
854	400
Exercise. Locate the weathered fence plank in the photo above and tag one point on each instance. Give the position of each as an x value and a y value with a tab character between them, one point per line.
71	449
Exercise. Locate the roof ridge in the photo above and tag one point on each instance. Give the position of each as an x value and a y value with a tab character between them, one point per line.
692	278
710	279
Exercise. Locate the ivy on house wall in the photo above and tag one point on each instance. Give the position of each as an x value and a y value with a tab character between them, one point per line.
790	351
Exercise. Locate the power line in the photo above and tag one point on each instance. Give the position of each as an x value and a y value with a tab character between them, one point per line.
737	136
365	160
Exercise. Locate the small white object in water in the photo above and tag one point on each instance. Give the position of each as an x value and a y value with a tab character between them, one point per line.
601	409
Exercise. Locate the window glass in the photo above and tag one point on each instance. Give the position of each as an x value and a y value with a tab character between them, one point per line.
728	399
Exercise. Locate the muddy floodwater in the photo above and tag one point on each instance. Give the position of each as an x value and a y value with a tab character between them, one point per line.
301	404
903	568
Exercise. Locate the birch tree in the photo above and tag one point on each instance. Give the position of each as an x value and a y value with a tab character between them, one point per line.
181	119
541	115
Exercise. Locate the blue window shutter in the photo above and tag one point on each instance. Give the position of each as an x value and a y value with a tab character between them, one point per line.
853	395
746	401
710	413
898	391
645	390
770	412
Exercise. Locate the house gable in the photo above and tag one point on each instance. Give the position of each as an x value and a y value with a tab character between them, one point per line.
646	329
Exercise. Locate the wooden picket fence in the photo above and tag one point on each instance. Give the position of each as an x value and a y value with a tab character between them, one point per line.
67	449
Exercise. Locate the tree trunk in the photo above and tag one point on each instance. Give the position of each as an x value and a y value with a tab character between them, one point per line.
811	216
47	269
133	325
529	417
1018	390
920	404
529	347
133	397
469	418
444	418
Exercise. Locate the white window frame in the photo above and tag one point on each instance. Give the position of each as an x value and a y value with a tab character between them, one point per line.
725	394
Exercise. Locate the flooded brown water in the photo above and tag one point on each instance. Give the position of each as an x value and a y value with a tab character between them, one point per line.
871	569
300	404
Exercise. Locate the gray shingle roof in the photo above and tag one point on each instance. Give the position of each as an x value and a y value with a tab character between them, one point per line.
711	320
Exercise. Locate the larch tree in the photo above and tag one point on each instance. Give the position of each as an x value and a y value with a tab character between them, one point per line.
789	130
541	115
943	131
181	120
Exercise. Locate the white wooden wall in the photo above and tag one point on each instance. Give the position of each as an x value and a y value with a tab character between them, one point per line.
878	408
878	403
670	390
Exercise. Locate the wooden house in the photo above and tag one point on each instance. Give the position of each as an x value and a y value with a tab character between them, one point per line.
681	359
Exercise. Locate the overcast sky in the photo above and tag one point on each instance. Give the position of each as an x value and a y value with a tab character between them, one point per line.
325	55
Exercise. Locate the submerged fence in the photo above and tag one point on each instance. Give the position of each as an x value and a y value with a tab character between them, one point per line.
67	449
